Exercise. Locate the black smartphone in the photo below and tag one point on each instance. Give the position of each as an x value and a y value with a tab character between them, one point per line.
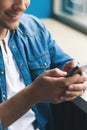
77	68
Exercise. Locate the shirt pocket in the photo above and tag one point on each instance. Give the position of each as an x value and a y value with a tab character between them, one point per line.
39	65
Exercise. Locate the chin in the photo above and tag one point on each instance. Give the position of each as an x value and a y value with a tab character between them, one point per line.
12	27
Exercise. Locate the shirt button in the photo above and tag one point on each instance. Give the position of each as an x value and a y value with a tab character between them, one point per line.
4	96
45	64
1	72
13	46
21	64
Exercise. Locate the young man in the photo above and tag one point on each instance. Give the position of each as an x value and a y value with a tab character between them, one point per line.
32	70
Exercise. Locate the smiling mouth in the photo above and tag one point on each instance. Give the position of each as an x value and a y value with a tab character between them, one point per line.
13	17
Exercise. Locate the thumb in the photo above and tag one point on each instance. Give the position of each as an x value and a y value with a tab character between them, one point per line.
55	73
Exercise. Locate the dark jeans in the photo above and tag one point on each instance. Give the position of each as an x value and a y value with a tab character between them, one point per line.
67	116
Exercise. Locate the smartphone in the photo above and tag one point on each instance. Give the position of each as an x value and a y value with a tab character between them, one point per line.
78	68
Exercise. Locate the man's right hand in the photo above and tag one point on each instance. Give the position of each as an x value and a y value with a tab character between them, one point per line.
53	87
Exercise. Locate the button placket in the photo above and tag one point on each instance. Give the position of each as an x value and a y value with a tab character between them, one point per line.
1	72
45	64
4	96
13	46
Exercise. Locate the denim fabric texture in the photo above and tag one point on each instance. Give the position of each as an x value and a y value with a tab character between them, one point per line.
35	52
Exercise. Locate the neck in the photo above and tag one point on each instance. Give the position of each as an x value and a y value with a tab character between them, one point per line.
3	34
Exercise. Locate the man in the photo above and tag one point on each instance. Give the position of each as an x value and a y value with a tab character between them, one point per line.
27	53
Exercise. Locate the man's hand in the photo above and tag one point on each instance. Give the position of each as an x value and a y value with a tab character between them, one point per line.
69	65
54	87
78	87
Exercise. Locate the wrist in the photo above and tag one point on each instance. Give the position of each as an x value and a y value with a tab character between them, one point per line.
31	94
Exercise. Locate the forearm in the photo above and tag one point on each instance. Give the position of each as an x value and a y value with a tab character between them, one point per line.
16	106
49	87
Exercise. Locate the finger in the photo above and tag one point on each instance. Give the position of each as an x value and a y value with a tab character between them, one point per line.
68	98
71	96
71	79
55	73
73	93
82	78
69	65
77	78
78	87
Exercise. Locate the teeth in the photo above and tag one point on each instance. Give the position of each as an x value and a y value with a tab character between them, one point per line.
13	15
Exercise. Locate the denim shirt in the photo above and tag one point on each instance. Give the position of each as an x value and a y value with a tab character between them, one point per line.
35	52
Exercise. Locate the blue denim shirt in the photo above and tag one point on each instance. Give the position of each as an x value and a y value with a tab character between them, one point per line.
35	52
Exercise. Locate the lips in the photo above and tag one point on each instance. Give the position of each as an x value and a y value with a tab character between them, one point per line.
13	16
